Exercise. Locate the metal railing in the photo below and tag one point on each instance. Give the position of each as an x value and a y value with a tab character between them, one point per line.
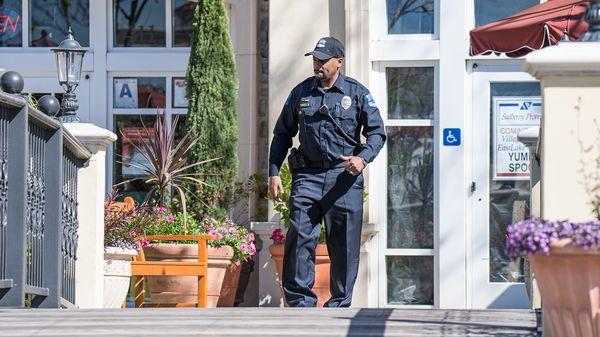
39	161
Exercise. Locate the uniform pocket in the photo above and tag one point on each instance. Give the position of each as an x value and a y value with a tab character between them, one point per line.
348	121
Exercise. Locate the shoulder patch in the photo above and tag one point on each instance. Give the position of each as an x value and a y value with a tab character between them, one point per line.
370	100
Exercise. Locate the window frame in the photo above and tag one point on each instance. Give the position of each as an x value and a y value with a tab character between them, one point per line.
377	186
112	112
379	27
168	30
26	34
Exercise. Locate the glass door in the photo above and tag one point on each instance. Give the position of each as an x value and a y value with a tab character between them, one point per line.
504	103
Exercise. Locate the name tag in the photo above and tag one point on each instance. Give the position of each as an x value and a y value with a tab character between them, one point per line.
304	103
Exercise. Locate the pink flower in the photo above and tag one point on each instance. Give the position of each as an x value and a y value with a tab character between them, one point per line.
144	242
251	237
232	230
238	263
243	246
223	229
213	232
161	210
132	234
170	218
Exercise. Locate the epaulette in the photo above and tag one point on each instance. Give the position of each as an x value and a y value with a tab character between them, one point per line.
351	80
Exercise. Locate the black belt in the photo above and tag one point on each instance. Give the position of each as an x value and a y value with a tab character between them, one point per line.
326	164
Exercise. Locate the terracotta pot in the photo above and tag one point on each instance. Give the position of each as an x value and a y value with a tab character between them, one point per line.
229	287
321	286
117	274
569	282
183	289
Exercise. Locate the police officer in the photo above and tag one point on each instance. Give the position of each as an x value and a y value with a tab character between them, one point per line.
330	111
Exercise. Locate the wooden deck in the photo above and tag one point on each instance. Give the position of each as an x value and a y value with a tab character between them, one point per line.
270	322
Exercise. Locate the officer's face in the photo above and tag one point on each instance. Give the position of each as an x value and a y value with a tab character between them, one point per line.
326	69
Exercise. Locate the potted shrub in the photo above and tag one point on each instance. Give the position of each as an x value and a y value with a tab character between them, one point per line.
234	244
122	223
322	263
565	259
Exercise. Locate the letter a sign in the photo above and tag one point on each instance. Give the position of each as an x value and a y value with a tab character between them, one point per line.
126	95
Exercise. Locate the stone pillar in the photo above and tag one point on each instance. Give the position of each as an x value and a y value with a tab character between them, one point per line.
269	292
570	127
91	195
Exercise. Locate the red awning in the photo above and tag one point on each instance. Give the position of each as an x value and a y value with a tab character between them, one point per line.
531	29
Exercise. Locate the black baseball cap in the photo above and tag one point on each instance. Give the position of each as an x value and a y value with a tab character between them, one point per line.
327	48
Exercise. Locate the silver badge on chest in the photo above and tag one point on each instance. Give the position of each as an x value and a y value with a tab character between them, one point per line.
346	102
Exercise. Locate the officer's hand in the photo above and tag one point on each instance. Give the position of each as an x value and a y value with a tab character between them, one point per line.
354	164
275	187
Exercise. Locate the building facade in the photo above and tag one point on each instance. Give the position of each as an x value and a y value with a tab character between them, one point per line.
452	175
441	191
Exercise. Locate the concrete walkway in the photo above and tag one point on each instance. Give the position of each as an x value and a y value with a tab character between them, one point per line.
270	322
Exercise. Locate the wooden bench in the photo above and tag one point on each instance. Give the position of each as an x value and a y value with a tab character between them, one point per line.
141	268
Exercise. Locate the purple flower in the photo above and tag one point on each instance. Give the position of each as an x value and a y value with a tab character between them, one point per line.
533	236
232	230
170	218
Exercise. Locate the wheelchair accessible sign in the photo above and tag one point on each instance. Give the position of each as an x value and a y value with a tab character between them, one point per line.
451	137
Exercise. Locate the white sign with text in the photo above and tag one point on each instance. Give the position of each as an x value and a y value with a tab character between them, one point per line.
510	116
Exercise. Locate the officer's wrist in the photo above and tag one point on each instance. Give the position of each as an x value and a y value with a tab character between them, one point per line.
364	161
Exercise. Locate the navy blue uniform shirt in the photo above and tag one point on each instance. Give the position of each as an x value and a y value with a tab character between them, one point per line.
350	104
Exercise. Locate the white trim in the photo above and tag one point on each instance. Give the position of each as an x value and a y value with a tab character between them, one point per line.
409	122
409	252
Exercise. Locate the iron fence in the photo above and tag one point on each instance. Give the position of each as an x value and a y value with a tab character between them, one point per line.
39	161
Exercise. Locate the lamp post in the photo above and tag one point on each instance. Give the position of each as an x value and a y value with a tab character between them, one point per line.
592	16
69	57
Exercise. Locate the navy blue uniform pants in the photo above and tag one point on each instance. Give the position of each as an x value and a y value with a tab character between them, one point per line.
335	196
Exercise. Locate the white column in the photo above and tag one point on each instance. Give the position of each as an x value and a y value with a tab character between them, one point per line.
91	194
269	292
569	135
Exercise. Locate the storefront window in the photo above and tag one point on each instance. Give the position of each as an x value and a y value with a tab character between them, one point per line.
410	16
11	23
509	197
410	187
51	19
131	129
410	280
183	16
487	11
139	23
139	92
410	93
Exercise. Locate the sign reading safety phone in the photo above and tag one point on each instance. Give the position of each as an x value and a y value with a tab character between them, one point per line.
510	116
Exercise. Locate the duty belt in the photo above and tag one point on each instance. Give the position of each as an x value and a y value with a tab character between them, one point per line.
327	164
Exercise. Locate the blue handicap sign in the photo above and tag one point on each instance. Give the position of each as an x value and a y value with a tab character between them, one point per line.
451	137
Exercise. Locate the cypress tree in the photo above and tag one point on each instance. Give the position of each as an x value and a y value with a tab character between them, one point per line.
212	93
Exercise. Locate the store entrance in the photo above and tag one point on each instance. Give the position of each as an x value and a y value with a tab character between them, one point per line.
505	101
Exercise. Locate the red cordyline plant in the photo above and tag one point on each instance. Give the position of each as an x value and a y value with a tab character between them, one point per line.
165	162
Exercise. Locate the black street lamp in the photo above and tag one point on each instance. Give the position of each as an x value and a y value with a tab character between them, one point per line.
69	57
592	16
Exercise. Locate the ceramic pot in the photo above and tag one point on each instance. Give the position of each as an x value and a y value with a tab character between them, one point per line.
569	282
229	287
184	289
117	274
322	264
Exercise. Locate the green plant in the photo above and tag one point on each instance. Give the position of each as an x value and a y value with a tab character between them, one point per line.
166	162
212	90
